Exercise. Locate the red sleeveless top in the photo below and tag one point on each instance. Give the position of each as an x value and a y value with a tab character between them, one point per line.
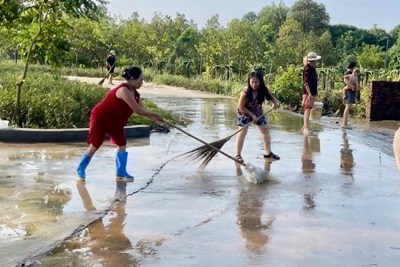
113	112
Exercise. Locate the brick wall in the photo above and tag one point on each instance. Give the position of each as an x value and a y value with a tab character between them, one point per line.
384	101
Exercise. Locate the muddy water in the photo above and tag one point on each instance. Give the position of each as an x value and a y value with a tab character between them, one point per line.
336	204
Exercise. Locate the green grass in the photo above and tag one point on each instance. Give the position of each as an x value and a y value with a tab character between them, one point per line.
50	101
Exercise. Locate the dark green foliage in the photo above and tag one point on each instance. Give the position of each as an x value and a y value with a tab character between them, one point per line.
50	101
287	87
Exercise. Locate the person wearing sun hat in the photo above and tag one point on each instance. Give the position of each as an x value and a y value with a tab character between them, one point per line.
309	88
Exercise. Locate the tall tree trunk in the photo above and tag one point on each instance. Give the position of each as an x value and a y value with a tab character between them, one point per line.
17	111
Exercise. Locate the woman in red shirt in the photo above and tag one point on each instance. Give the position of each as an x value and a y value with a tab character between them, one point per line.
110	116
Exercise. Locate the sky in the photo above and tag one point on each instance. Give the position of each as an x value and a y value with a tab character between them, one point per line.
363	14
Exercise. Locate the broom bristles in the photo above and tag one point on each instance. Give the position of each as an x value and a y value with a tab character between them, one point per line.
205	153
257	175
101	81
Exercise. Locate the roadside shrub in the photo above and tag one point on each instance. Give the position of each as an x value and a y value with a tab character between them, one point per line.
332	100
287	87
53	102
49	101
334	104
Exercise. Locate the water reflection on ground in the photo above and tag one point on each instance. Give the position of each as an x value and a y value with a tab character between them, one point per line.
336	199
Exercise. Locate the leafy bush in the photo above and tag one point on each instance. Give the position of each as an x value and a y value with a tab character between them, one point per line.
334	104
287	87
332	100
53	102
49	101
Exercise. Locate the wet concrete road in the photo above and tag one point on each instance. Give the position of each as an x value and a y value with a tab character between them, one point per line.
337	203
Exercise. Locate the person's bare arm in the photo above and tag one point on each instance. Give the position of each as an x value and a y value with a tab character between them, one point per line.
275	104
241	106
124	94
357	83
346	79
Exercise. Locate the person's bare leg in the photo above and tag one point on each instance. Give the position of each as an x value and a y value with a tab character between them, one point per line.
396	147
121	148
306	120
346	115
110	78
308	104
240	141
266	138
91	150
304	104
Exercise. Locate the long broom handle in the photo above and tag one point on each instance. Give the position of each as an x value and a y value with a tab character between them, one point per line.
207	144
109	70
103	79
247	125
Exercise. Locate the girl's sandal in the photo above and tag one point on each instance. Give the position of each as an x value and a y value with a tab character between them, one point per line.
272	156
239	158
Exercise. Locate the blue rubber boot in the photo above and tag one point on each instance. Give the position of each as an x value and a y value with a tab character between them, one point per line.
85	160
120	164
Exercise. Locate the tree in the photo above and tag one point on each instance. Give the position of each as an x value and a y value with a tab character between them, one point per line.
267	35
40	24
274	15
337	31
245	47
291	45
394	55
311	15
347	47
10	11
210	44
323	44
250	17
371	57
88	41
395	32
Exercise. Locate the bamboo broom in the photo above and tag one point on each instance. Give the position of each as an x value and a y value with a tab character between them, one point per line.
207	153
102	80
254	174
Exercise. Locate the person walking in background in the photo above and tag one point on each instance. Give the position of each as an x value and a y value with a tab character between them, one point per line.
110	62
350	92
110	116
309	88
249	108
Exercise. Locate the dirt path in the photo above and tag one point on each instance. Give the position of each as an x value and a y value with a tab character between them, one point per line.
149	90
